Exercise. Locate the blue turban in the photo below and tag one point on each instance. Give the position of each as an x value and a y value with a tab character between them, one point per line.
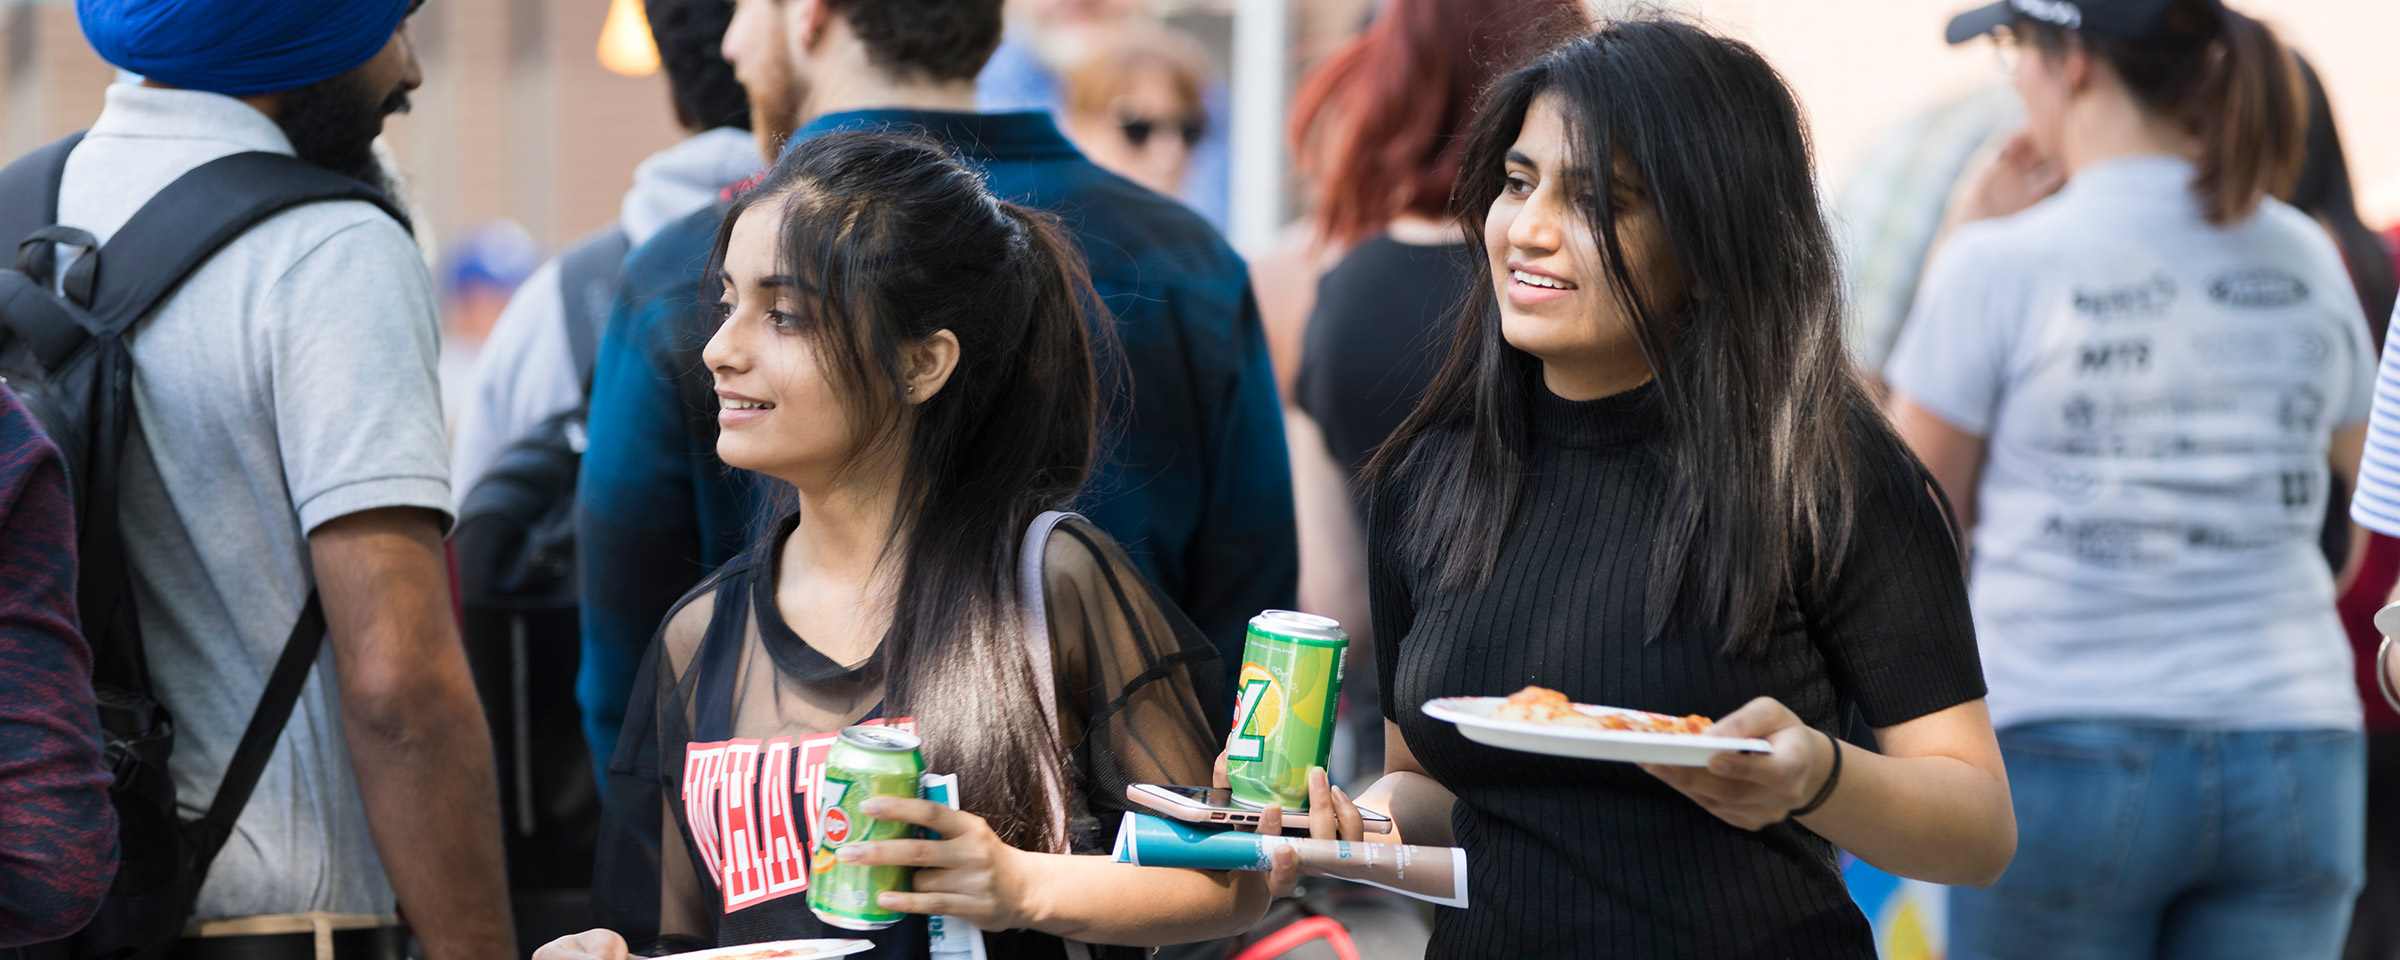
239	48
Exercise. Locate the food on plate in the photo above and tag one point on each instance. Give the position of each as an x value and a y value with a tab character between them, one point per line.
789	951
776	954
1546	706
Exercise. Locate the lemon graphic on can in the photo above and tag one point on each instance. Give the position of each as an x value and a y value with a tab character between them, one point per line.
1262	701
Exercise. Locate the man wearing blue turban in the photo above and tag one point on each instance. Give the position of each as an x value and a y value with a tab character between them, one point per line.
326	71
290	438
240	48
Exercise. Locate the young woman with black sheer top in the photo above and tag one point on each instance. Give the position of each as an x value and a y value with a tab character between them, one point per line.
1647	477
910	356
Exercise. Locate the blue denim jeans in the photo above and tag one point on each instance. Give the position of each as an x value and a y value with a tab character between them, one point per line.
2138	841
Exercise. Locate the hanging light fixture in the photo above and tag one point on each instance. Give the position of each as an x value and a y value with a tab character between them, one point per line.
626	47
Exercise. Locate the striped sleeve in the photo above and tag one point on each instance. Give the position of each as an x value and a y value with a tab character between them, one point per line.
2376	504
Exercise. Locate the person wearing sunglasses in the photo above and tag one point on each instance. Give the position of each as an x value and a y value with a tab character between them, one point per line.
1136	108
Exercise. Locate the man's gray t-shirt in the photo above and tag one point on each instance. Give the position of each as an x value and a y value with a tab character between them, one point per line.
2159	396
288	382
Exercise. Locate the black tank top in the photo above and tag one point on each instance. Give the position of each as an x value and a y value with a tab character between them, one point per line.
1379	332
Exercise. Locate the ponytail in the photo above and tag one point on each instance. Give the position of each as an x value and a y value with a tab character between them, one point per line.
2250	118
2233	85
1058	345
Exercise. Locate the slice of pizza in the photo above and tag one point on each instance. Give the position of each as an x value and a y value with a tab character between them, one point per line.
1549	707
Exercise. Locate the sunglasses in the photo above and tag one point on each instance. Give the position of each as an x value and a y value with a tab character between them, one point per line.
1138	130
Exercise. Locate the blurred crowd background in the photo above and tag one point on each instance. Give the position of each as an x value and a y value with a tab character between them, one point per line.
534	112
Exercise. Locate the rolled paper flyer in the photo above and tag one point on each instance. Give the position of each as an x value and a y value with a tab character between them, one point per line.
953	938
1433	874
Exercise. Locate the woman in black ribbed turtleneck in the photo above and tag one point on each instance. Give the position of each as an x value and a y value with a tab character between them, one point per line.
1645	477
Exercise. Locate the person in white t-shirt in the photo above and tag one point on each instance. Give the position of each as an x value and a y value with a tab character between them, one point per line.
2133	390
287	437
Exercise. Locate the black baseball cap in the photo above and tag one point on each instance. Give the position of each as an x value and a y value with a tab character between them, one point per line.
2124	19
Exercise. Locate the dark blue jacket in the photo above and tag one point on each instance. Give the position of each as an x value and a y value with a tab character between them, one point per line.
1193	478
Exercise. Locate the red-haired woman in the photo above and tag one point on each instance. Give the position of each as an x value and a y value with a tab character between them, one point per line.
1376	130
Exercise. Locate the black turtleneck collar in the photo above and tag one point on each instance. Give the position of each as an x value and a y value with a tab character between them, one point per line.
1613	420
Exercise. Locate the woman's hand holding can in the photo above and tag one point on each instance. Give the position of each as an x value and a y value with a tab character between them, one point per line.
969	873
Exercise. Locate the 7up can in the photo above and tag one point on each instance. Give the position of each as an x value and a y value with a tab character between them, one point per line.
1283	720
864	762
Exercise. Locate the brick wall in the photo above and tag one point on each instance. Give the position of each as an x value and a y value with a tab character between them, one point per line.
517	120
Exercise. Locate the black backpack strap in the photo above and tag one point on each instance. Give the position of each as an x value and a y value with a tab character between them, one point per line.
588	273
29	189
198	214
172	235
28	206
140	266
176	231
258	739
148	258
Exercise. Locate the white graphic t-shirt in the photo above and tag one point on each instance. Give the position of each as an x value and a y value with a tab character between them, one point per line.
2159	396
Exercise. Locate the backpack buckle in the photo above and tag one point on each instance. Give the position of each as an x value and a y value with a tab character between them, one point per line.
37	259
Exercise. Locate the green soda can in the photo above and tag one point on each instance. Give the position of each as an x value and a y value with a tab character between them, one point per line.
1283	720
864	762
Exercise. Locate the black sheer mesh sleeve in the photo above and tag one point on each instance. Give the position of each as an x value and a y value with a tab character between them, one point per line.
639	889
1133	673
682	902
625	870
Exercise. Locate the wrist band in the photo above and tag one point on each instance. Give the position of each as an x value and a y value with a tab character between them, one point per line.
1832	777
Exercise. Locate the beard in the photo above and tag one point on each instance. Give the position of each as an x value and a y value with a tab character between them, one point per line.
333	124
775	115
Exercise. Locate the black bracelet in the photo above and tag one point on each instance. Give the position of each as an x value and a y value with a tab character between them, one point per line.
1825	792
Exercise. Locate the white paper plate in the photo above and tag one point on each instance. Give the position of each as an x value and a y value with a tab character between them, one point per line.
786	950
1473	716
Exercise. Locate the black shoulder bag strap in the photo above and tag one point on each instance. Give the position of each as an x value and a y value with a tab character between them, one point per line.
29	189
29	212
258	739
588	273
139	268
203	210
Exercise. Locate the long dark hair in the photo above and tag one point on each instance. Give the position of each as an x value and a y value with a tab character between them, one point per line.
1376	125
891	240
1762	411
2229	81
2323	191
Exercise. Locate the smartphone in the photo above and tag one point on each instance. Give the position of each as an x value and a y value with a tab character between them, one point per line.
1216	805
